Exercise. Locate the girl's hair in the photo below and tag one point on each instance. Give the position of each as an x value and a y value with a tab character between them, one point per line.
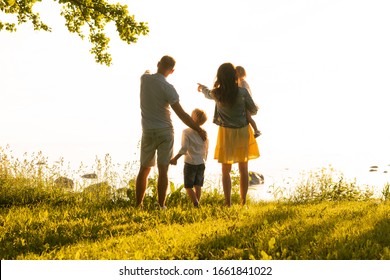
226	87
201	116
241	73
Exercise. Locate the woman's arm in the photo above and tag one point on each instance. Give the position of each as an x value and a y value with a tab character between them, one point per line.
205	90
250	105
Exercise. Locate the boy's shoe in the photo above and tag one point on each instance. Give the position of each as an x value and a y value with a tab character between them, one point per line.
257	133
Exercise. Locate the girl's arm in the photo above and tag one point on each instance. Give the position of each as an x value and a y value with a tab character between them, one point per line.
173	161
206	151
183	150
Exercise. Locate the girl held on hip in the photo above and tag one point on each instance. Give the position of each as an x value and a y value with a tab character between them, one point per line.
235	141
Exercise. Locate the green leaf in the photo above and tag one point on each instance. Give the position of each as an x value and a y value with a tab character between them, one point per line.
78	14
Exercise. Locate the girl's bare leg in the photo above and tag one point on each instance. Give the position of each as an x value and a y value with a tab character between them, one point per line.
192	194
198	192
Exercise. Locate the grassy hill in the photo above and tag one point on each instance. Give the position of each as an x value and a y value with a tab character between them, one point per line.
324	219
79	229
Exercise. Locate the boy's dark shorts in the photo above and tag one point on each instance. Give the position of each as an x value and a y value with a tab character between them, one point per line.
193	175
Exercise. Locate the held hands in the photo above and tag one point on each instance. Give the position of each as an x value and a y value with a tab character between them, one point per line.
173	160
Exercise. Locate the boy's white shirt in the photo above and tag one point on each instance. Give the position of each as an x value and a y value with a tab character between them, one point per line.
244	84
194	149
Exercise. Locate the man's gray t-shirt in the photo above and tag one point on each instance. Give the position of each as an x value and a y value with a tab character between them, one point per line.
156	97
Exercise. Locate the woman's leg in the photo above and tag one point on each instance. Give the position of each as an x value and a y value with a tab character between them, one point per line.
227	183
244	180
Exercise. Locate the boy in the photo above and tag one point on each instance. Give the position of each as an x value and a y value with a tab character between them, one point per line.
241	75
195	152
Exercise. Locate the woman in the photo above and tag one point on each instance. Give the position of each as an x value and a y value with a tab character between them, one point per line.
235	142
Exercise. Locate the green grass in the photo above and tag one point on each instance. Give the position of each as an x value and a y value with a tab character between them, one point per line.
326	218
326	230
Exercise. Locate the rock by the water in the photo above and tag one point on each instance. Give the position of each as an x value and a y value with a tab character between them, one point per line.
255	178
89	176
64	183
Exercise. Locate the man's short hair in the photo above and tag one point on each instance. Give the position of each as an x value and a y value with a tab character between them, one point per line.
167	62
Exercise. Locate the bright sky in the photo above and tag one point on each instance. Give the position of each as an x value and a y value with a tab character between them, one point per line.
319	71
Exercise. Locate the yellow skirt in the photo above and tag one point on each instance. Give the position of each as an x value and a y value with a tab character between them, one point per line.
236	145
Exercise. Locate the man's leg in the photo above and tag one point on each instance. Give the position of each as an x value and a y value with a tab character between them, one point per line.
141	184
164	155
162	183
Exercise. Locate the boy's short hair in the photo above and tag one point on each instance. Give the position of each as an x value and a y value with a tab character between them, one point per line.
167	62
201	115
241	73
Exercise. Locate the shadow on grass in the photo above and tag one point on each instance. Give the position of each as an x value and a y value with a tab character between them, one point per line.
20	241
64	227
371	245
283	234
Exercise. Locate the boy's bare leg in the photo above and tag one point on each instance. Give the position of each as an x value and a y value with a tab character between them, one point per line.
253	124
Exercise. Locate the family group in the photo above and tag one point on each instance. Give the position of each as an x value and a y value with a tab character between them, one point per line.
236	140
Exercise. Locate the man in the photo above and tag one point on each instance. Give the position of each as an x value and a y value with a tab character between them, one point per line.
156	96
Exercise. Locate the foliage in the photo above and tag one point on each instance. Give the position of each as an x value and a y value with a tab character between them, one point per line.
328	185
41	221
95	14
327	230
386	192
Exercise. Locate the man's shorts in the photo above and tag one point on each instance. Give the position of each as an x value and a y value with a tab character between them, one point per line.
193	175
160	140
